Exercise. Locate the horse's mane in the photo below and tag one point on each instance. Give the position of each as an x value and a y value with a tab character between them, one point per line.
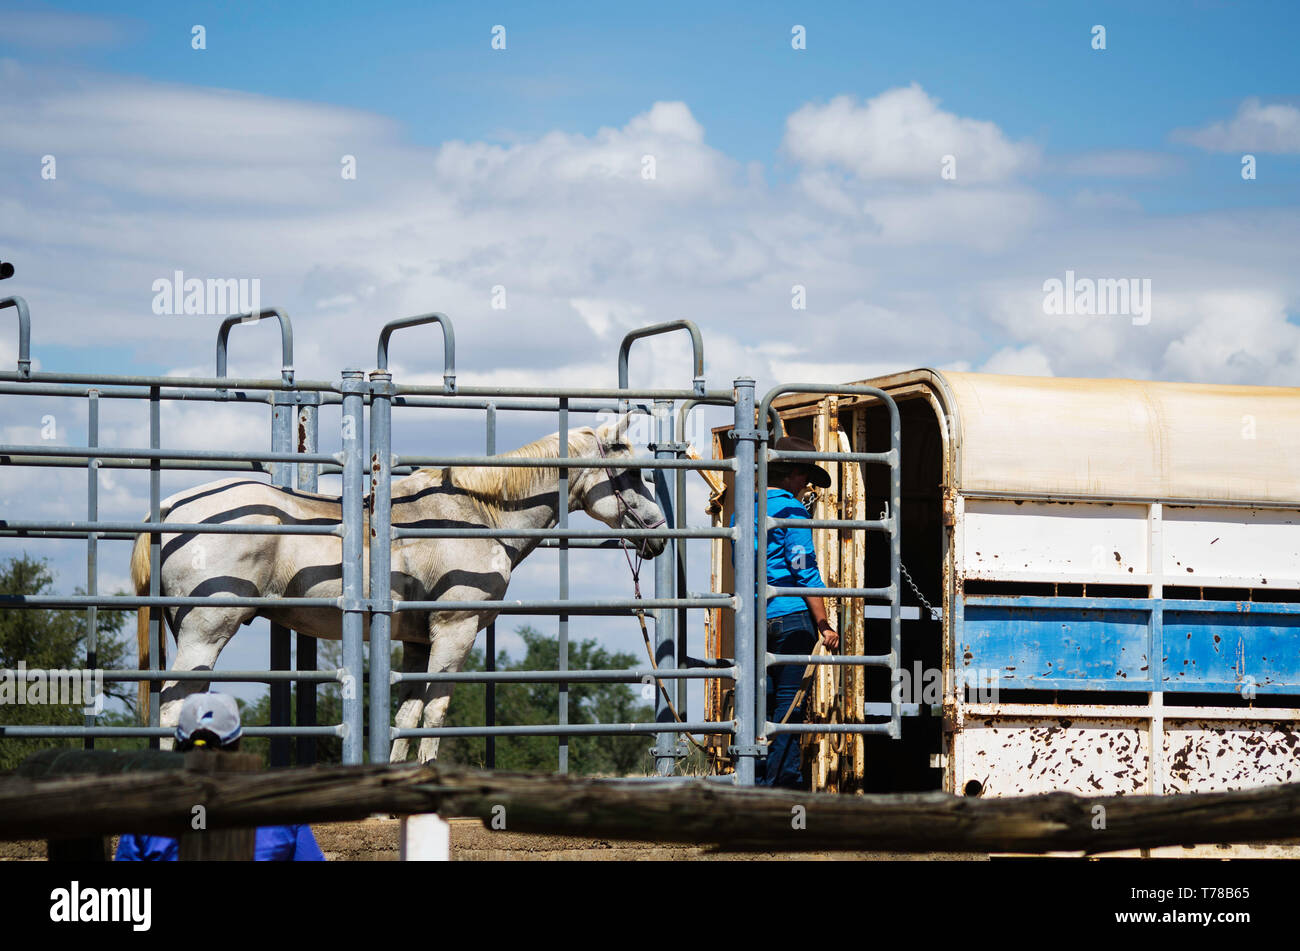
493	487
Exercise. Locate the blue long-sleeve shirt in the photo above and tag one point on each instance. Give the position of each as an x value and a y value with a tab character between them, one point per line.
791	557
273	844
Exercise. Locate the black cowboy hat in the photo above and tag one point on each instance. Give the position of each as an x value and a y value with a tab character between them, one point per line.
816	474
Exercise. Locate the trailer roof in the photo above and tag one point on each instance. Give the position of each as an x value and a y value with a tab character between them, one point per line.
1027	436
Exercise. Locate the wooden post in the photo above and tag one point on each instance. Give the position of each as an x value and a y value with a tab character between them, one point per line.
219	845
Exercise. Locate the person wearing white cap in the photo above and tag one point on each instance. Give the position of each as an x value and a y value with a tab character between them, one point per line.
211	721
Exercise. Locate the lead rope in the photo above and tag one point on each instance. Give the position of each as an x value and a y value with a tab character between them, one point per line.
636	587
645	636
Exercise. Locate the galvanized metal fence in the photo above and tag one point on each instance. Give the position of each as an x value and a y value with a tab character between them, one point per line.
295	461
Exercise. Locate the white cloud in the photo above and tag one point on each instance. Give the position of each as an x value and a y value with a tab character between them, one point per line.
1023	361
1255	128
902	135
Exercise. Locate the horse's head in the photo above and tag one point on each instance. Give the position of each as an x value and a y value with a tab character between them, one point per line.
617	495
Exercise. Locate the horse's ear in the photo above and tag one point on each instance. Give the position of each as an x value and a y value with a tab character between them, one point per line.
614	430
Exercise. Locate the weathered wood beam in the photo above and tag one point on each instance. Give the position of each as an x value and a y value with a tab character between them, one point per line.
695	812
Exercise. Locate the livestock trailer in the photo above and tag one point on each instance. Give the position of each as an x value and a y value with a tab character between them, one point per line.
1114	568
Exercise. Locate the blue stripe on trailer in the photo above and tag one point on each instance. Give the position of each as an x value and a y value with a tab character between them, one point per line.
1106	644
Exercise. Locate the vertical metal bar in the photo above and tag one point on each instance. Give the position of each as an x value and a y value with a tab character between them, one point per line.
92	548
744	743
381	538
282	415
156	641
353	388
1156	632
679	547
895	559
563	522
760	575
305	644
665	578
490	647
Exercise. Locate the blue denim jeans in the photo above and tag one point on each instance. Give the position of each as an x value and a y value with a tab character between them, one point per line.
789	634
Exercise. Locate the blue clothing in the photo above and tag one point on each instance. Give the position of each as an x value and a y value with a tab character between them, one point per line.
788	634
273	844
791	557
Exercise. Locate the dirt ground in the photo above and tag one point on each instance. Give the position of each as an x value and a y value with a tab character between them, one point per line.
371	840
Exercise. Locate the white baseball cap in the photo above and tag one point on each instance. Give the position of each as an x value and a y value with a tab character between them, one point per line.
216	713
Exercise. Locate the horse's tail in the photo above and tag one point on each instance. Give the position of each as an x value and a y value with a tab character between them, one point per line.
140	578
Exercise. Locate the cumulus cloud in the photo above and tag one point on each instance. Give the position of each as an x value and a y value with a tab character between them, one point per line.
902	135
662	150
1255	128
1019	361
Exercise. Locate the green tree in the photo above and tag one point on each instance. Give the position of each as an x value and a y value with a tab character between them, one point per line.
44	639
539	704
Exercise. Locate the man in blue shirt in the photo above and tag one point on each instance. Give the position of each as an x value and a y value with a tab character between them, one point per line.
211	721
793	623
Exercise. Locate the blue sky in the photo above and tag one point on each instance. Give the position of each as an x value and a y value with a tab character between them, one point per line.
582	66
524	169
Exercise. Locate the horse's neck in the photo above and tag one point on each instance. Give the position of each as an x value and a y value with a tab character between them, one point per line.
530	503
534	502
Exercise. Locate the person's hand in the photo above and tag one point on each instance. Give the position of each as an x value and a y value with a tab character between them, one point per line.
829	637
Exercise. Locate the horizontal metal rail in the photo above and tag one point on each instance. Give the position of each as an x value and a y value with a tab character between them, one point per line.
611	606
563	392
173	528
784	592
100	732
572	462
828	660
588	533
887	458
144	601
101	452
638	675
572	729
195	382
880	729
82	391
216	676
71	462
511	404
870	525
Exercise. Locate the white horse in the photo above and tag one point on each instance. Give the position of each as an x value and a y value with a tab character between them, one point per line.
423	569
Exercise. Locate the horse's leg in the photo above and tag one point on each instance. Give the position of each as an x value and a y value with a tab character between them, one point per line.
451	641
410	695
203	633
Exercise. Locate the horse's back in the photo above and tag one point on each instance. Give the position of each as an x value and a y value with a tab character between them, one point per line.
236	499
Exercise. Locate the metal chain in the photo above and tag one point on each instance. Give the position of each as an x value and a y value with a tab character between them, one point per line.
917	591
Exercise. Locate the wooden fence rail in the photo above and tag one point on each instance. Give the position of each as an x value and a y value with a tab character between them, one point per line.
695	812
